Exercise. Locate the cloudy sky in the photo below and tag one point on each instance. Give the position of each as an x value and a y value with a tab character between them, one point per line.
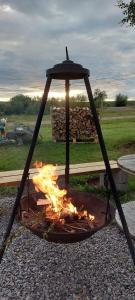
33	36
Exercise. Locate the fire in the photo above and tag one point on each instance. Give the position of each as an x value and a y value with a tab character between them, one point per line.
57	205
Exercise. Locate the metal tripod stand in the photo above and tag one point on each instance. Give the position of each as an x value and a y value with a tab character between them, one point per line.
68	70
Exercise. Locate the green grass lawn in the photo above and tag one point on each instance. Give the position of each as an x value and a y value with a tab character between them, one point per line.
107	112
118	111
118	134
24	118
119	138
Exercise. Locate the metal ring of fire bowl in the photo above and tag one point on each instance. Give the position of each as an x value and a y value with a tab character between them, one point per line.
95	206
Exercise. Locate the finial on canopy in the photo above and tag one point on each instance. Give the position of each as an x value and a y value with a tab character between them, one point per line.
67	56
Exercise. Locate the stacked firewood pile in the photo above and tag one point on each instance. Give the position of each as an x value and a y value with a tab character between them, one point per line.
82	126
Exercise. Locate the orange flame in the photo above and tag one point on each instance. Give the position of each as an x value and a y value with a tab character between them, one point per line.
57	203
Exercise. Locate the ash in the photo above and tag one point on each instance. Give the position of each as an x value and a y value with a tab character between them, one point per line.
98	268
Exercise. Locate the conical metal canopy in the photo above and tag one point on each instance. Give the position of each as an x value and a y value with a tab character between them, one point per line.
67	70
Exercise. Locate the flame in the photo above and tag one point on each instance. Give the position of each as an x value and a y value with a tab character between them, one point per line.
58	204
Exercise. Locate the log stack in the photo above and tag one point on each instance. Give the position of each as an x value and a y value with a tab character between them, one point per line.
82	128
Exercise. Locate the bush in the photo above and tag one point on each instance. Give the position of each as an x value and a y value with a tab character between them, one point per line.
99	97
121	100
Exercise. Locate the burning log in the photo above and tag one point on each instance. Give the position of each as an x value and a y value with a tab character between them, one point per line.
43	202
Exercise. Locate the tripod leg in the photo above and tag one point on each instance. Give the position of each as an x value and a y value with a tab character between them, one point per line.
27	166
108	168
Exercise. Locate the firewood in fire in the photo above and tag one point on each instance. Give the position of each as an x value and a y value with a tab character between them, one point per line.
43	202
68	216
76	228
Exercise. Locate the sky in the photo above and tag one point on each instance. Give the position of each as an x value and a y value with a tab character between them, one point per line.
33	36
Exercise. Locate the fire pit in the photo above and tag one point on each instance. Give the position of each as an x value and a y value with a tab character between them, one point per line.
57	215
65	216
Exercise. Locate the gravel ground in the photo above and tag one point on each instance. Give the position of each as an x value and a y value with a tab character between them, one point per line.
97	268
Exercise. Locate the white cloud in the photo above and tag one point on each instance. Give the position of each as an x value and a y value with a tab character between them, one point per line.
6	8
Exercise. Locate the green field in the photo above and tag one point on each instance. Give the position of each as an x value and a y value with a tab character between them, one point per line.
118	111
119	138
15	119
107	112
118	134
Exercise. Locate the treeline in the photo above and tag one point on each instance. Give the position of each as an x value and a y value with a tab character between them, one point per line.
21	104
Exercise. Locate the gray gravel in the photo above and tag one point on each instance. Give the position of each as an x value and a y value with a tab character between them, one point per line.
97	268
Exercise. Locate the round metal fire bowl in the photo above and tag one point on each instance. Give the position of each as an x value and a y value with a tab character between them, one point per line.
64	237
95	206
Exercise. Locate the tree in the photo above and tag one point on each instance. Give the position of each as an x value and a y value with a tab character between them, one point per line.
128	12
99	97
81	98
19	104
121	100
